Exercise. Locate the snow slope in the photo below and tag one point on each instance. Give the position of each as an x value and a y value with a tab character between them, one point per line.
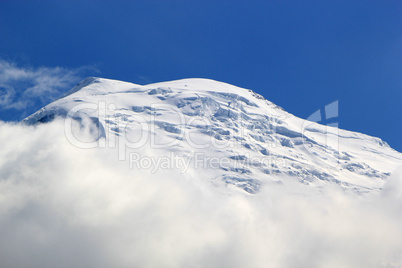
228	134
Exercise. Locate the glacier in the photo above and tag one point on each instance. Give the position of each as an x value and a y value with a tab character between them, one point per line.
233	136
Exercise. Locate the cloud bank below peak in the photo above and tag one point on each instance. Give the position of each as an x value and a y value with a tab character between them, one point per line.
84	208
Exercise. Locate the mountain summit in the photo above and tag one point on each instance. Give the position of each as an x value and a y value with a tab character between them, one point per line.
230	135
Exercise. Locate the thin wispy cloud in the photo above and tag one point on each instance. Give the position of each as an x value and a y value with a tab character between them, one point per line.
23	86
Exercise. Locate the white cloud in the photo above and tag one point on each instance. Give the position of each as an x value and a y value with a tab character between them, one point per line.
61	205
21	87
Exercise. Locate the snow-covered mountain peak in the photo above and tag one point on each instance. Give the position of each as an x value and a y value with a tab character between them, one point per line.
95	85
229	134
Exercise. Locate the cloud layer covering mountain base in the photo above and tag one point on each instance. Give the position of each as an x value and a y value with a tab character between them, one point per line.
61	206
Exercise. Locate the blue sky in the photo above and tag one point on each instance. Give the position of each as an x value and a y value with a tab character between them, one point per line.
301	55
